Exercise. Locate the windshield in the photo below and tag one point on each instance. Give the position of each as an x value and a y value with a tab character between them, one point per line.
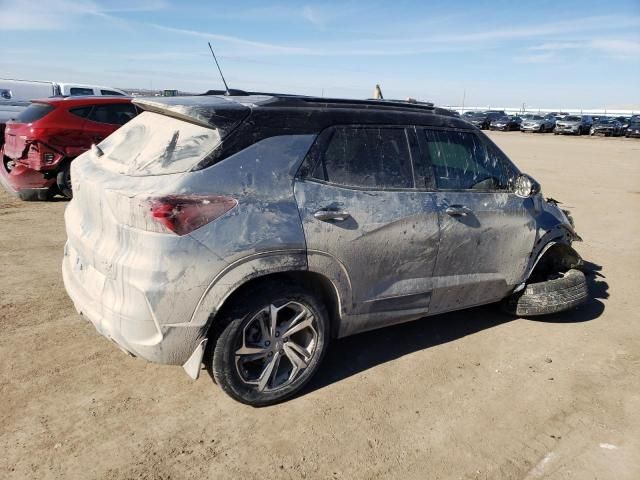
154	144
537	117
503	119
571	118
34	112
605	121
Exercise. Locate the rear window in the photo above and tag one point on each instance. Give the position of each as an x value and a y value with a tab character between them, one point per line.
113	113
572	119
81	112
154	144
375	158
34	112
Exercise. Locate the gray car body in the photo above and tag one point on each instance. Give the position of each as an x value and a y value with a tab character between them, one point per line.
575	127
398	257
546	123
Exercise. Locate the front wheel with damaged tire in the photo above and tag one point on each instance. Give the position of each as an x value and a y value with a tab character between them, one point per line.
271	346
557	293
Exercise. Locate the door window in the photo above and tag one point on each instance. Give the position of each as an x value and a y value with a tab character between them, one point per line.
460	161
113	114
376	158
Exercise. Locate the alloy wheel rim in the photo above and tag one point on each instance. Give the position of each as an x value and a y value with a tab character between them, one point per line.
277	345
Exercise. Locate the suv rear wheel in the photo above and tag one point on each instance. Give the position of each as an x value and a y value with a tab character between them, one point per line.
271	346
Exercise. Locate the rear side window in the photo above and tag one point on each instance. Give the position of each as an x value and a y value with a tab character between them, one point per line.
81	112
73	91
460	161
34	112
113	114
376	158
154	144
110	92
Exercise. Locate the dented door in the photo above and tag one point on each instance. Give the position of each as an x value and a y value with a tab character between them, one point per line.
366	226
486	240
487	232
386	242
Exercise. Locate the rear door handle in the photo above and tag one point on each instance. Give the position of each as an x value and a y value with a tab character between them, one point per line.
458	210
337	215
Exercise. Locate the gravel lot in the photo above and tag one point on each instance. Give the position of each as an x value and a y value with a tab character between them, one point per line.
473	394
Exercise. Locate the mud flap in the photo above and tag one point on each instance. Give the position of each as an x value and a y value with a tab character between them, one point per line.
192	366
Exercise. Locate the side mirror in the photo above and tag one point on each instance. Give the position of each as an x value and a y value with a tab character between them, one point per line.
526	186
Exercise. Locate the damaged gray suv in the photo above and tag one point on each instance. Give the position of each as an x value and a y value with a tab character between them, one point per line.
246	232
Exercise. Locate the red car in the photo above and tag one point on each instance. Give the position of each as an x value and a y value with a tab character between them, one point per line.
43	140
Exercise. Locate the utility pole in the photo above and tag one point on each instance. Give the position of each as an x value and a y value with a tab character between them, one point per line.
464	95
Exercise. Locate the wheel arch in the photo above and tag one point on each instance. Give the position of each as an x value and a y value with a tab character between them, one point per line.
311	281
244	275
555	252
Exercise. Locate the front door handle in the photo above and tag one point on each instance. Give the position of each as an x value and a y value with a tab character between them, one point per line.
458	210
337	215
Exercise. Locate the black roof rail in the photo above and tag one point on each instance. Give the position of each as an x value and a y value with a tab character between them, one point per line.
286	99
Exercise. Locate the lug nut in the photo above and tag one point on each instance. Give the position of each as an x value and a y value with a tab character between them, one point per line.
285	339
267	343
270	354
277	334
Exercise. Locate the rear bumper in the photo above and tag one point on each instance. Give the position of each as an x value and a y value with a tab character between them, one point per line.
128	321
26	183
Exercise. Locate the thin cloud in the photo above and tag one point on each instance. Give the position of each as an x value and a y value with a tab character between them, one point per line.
618	48
269	47
548	57
612	47
312	15
33	15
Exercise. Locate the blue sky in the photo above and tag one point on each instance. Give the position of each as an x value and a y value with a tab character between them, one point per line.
501	53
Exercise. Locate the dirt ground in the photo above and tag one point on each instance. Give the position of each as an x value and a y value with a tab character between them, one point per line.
473	394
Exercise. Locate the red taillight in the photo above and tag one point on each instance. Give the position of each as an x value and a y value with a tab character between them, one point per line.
182	214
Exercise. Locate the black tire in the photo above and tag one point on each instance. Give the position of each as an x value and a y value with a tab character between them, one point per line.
63	180
240	319
8	163
550	296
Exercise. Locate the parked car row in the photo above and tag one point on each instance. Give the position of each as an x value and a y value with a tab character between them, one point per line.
559	123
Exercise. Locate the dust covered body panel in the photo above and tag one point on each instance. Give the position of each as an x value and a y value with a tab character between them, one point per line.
387	211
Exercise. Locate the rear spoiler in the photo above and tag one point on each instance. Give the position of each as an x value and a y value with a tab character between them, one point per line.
210	112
